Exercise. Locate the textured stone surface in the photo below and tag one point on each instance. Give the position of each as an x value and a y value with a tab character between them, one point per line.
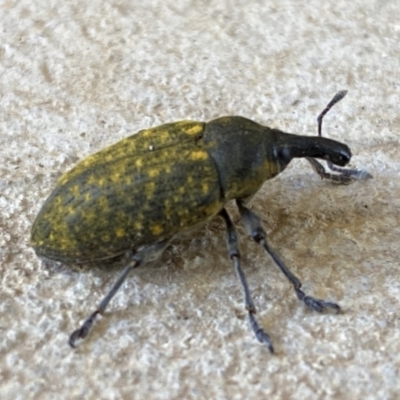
76	77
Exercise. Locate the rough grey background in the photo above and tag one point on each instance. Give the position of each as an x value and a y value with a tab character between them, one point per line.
76	76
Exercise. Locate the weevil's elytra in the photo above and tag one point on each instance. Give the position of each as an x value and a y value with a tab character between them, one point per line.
111	200
134	196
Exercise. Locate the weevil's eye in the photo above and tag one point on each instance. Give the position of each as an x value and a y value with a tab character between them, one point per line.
284	154
339	158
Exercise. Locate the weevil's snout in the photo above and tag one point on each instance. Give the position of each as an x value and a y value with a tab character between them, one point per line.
341	155
291	146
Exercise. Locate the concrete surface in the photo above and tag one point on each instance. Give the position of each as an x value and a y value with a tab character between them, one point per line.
77	76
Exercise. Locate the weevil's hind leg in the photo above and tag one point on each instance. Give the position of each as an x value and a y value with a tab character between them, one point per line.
136	259
234	255
344	176
253	225
84	330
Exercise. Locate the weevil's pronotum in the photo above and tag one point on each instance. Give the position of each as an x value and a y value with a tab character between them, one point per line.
133	197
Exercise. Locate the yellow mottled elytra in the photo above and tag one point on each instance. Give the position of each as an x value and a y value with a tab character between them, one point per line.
118	188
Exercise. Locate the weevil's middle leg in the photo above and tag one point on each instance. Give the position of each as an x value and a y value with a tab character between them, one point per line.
253	225
234	255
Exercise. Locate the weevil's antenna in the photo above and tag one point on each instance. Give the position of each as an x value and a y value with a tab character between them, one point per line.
336	98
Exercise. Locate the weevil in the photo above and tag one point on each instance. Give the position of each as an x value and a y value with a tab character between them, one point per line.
133	197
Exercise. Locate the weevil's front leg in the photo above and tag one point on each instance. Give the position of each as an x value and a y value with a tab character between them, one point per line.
147	254
253	225
342	177
234	255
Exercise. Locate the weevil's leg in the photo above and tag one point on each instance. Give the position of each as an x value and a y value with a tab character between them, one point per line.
234	255
344	176
253	225
353	174
148	253
84	330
